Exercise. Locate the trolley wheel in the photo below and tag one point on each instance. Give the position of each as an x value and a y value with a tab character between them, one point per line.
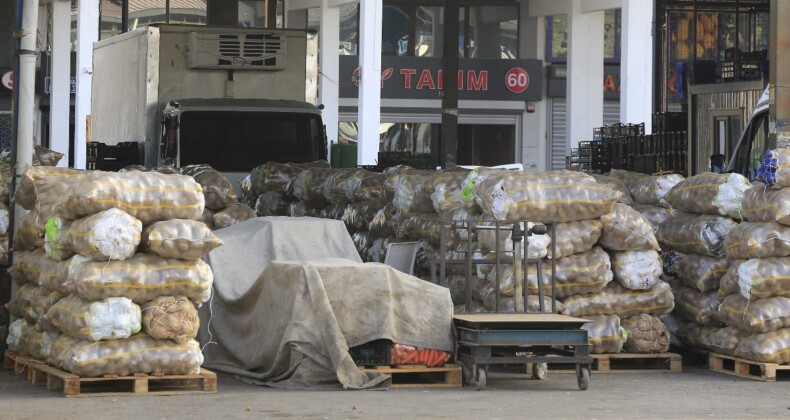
540	370
480	381
583	376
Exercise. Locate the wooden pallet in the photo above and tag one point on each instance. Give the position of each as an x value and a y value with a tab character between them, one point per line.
39	373
627	363
420	376
759	371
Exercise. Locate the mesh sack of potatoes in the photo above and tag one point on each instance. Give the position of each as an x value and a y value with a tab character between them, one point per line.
447	192
695	335
653	190
626	176
576	237
171	318
273	176
248	195
142	278
763	204
61	348
179	238
701	272
36	268
22	268
456	283
207	218
15	331
559	196
758	240
771	347
710	193
729	281
646	334
466	217
272	203
5	182
775	170
427	253
4	220
413	192
385	221
605	334
695	234
334	188
508	303
108	235
616	185
367	186
147	196
654	214
476	307
217	190
19	305
588	272
29	233
43	299
35	343
107	319
358	216
38	181
725	340
537	246
45	157
762	278
363	243
764	315
304	209
378	250
614	299
637	270
234	213
424	226
136	354
308	185
625	229
334	211
695	306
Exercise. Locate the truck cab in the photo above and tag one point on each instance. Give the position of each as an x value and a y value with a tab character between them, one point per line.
236	135
754	141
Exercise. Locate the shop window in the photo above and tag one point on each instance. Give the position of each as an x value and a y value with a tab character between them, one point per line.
490	32
111	18
429	31
727	130
486	144
420	139
395	28
557	37
349	32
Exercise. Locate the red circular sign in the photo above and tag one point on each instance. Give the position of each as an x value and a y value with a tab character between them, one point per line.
517	80
8	80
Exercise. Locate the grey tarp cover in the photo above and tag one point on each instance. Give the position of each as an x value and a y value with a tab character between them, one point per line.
281	321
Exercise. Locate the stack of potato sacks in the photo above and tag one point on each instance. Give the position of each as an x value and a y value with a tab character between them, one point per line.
707	207
755	291
120	254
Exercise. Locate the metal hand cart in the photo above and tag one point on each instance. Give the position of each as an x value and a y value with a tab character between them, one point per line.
523	337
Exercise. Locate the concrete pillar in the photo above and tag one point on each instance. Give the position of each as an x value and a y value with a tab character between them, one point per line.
636	69
585	73
25	84
60	89
534	141
369	109
87	34
330	68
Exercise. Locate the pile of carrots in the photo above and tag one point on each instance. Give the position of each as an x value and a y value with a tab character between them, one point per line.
409	355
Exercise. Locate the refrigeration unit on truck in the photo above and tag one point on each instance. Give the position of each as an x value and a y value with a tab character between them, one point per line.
229	97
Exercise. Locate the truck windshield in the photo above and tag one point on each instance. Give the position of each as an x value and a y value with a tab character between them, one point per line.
749	156
238	141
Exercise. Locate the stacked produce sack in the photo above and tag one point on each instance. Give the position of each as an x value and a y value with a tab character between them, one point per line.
707	206
648	193
109	283
754	292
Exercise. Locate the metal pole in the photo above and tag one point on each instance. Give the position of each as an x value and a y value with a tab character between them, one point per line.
518	278
448	157
779	48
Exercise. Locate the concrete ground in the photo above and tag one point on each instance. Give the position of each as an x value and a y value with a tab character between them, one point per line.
696	393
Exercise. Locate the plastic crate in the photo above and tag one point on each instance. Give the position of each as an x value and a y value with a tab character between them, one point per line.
106	157
372	353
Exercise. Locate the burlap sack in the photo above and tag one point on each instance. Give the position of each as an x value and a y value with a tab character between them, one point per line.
636	270
764	315
218	191
108	319
560	196
646	334
147	196
45	157
615	299
605	334
758	240
625	229
179	238
689	233
762	278
234	213
695	306
653	190
272	203
710	193
616	185
763	204
701	272
368	186
142	278
654	214
136	354
358	216
729	281
30	232
385	221
108	235
725	340
768	347
448	187
413	192
42	186
171	318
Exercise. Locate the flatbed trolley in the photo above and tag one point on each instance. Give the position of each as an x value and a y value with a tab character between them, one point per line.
538	338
